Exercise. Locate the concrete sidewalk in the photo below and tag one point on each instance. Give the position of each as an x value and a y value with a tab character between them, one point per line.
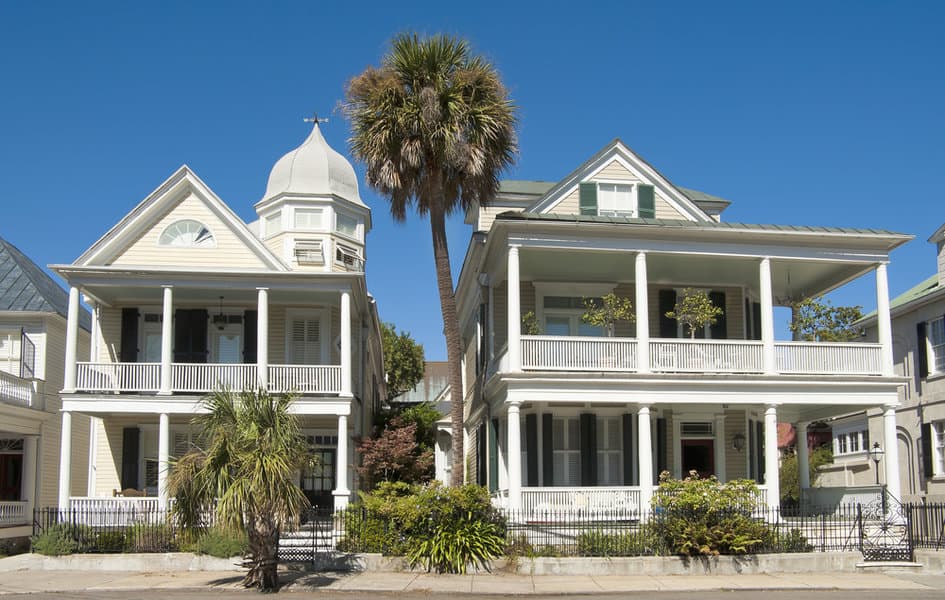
28	581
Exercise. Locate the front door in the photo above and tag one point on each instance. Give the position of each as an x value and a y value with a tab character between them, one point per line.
190	336
318	480
699	456
11	475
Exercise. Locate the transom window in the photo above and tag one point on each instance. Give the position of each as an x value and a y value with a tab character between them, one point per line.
937	345
187	233
616	200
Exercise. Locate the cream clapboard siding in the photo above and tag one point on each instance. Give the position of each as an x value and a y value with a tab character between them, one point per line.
569	205
469	366
488	214
109	341
735	461
230	251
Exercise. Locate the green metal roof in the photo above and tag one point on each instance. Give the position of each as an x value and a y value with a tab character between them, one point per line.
697	196
540	188
921	290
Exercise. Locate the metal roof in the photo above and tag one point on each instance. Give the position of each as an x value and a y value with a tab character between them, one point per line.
540	188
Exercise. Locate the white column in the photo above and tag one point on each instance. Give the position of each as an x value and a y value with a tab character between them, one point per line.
772	483
883	323
65	460
262	337
767	317
642	315
514	313
345	344
341	491
514	456
719	448
28	482
164	445
645	459
93	338
72	340
167	340
803	457
891	456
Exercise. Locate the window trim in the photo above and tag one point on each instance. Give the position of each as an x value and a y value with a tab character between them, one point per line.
354	252
357	226
846	434
304	247
199	244
935	352
938	448
307	210
634	199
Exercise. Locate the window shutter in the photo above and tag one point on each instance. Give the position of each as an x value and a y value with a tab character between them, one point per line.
752	460
306	341
628	452
922	350
129	339
547	451
129	457
720	329
493	455
588	449
927	450
588	198
646	202
760	456
531	449
181	444
667	300
481	454
756	320
662	458
250	328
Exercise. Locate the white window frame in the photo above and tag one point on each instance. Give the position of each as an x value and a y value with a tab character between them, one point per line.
309	212
561	455
630	209
935	341
309	252
607	455
269	221
342	251
208	241
938	448
357	226
324	327
851	439
572	290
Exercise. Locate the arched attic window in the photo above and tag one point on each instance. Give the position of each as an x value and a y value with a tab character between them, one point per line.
187	233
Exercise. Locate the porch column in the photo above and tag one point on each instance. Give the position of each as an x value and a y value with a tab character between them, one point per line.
345	345
65	460
262	337
772	483
803	457
643	321
767	318
72	340
883	323
514	456
167	341
645	460
514	313
891	455
164	435
28	481
341	491
93	337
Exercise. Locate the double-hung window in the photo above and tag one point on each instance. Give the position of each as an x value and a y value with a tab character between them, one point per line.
566	450
936	333
938	448
616	200
609	452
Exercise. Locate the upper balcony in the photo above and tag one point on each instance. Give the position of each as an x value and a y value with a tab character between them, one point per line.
18	391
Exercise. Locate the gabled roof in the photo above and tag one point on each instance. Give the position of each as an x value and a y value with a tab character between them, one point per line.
25	287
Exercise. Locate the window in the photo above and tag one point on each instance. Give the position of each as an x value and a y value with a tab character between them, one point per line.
562	316
851	440
274	224
309	252
305	345
609	452
938	448
308	218
346	225
615	200
187	234
348	257
937	345
566	450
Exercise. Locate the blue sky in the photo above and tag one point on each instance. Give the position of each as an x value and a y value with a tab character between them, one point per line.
823	113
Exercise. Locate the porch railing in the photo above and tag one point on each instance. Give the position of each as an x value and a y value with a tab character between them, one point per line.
305	378
829	357
118	377
700	356
114	512
200	377
547	352
542	502
13	513
16	390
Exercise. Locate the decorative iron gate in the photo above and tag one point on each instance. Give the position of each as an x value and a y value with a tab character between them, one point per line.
886	531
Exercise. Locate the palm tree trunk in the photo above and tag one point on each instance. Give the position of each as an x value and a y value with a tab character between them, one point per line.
454	349
263	535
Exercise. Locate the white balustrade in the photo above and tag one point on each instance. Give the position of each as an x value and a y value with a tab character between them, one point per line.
592	502
305	378
118	377
13	513
706	356
832	358
207	377
114	512
16	390
578	353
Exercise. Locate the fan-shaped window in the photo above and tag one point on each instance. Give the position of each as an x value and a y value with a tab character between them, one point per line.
187	234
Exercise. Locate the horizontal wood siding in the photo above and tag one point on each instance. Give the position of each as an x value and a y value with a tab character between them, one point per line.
735	461
625	328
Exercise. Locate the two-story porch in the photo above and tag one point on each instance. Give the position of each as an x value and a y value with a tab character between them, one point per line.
22	414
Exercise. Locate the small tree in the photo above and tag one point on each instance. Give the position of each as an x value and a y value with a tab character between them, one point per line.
395	455
694	309
607	311
530	324
403	360
817	320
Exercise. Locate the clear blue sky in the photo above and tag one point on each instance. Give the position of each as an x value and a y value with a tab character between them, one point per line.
825	113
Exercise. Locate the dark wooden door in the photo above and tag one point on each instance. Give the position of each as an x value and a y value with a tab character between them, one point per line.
190	336
11	476
318	480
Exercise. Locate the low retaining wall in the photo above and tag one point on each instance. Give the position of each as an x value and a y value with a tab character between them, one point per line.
144	563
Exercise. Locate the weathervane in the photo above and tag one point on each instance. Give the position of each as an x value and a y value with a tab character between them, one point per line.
314	119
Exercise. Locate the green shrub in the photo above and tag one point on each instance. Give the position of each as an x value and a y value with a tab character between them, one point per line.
110	541
792	541
150	537
639	542
454	545
222	543
57	540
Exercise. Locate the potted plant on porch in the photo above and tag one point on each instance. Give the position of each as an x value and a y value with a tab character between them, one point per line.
694	309
605	312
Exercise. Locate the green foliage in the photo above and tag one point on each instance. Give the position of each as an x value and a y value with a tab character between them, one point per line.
403	360
606	312
638	542
56	540
110	541
817	320
150	537
705	517
789	474
395	455
424	415
220	542
456	544
694	309
792	541
530	324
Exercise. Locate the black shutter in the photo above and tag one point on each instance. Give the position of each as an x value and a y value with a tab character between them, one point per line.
752	459
493	455
481	455
250	329
588	449
662	459
129	335
182	336
130	437
667	300
547	451
720	329
587	199
760	441
922	351
628	450
190	336
927	450
756	320
531	449
646	203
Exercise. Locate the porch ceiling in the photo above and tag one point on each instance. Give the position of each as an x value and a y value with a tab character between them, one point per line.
207	294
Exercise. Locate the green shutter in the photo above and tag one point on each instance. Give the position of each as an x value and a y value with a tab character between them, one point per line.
646	202
588	199
547	451
531	449
493	454
628	452
720	329
662	451
922	351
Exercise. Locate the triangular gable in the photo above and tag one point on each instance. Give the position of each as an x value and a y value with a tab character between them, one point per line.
617	156
133	240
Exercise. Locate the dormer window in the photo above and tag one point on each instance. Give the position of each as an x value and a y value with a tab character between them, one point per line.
187	234
615	199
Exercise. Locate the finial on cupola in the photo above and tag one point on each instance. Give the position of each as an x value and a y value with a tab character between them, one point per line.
314	119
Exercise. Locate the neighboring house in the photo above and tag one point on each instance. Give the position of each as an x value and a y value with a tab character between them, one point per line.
187	298
434	388
571	419
918	328
32	350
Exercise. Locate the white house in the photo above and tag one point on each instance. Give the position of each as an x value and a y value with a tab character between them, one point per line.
187	298
568	418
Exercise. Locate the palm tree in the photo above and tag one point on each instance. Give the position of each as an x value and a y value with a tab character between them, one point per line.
434	127
252	449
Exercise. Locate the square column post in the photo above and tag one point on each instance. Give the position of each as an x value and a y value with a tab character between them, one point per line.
341	491
891	456
65	460
28	482
803	457
772	482
167	341
883	322
514	456
345	345
645	453
72	340
164	435
262	337
643	310
514	313
767	318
